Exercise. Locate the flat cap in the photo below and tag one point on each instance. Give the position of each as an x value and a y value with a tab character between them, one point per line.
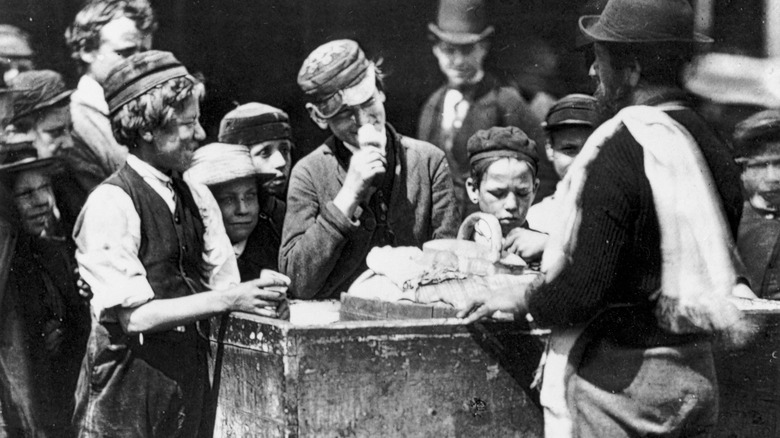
574	109
335	74
253	123
751	133
36	90
502	142
138	74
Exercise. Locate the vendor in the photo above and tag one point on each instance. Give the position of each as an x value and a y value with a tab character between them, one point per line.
266	132
154	250
357	191
757	144
503	183
228	172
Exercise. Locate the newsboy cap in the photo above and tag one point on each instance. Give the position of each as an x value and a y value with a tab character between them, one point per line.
139	73
337	74
751	133
572	110
37	90
253	123
502	142
643	21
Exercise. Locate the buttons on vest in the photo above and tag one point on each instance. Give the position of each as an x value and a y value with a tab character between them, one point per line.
177	219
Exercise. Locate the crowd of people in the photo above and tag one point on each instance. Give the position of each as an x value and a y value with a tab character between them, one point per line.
121	235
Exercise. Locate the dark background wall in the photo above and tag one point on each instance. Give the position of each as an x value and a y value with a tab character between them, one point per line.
251	50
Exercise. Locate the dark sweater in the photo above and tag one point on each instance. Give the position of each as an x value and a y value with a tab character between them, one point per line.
617	258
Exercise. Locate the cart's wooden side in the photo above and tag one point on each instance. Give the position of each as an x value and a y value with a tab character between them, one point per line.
376	378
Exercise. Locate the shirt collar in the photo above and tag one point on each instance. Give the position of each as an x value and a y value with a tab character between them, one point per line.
239	248
763	208
91	93
146	170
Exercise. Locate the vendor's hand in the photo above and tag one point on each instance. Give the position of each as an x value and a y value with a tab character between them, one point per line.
366	166
52	336
527	244
509	301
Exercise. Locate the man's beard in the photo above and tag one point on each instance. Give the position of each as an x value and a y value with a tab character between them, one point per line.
608	103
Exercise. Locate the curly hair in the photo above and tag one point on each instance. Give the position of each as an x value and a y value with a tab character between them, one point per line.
84	33
153	109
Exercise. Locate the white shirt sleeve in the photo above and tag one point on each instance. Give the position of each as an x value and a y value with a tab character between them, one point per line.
108	236
219	267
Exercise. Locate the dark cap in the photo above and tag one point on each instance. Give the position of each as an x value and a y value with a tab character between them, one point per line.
502	142
461	22
138	74
19	155
751	133
572	110
643	21
37	90
253	123
335	74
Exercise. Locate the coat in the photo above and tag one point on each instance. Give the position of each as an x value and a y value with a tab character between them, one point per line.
491	105
323	251
758	242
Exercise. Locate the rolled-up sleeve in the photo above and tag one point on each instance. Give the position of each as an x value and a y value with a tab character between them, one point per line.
108	236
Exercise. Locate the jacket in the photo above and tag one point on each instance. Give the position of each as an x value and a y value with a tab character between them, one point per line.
323	251
491	105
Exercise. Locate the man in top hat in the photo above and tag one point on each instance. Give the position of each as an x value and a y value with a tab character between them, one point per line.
16	53
366	186
41	109
757	144
43	288
568	124
154	251
503	182
472	99
649	210
233	179
265	130
103	33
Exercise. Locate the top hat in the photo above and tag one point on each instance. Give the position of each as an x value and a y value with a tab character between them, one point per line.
461	22
643	21
36	90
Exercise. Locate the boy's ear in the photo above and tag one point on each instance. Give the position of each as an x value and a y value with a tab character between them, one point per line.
315	117
472	190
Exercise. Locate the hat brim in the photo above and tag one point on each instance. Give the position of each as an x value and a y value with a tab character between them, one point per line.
45	104
460	37
49	165
593	32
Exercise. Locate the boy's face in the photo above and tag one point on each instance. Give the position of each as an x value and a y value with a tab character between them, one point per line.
34	199
238	202
176	142
273	157
53	132
564	145
761	176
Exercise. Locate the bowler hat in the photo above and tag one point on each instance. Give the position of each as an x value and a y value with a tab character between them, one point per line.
18	155
461	22
253	123
643	21
37	90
